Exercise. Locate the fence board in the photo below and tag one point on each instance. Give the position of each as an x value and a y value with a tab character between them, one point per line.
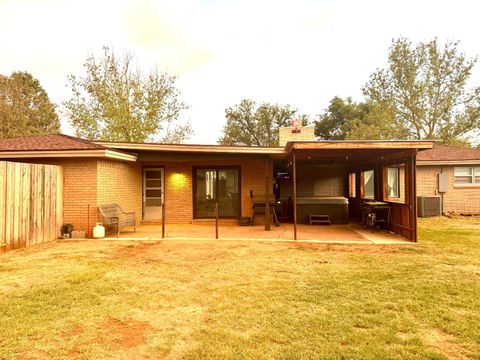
31	197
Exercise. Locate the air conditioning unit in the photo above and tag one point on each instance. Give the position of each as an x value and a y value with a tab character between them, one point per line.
428	206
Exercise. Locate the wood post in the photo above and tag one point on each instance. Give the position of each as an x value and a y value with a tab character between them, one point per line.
88	221
379	183
413	197
294	164
163	220
267	203
385	182
216	220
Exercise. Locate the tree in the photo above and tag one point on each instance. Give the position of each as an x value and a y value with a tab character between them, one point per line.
335	123
116	102
346	119
252	125
25	108
379	123
426	87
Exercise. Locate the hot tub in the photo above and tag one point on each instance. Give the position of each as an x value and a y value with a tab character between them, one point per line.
335	207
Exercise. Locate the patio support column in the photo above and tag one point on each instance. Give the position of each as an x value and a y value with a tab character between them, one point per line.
294	165
382	185
412	196
267	203
358	195
268	186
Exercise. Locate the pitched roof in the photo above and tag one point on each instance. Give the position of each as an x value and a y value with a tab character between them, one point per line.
47	142
448	153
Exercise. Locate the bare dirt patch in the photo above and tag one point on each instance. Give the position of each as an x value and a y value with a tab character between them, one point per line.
444	343
124	334
128	333
77	330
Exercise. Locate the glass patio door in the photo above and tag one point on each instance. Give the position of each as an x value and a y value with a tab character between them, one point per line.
214	185
152	194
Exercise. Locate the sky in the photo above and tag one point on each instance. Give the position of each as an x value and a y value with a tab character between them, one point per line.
301	53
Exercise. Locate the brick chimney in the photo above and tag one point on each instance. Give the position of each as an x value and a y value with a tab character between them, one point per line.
296	132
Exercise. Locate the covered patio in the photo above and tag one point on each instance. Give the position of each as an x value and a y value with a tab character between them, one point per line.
352	233
352	182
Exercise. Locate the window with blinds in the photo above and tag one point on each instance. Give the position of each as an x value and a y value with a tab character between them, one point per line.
467	176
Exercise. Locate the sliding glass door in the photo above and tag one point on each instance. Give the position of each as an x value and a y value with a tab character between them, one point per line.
216	185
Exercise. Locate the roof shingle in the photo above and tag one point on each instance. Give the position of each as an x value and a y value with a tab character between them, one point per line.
47	142
448	153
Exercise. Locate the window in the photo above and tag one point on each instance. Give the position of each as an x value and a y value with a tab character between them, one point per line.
369	184
393	175
467	176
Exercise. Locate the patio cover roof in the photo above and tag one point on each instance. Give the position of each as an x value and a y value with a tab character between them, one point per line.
359	144
193	148
59	145
365	145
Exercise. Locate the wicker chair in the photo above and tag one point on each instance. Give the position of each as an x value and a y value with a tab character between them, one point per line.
114	216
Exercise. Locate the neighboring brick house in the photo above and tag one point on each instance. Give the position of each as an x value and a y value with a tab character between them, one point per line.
191	180
463	185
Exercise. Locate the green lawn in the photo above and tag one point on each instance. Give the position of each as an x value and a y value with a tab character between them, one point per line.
195	300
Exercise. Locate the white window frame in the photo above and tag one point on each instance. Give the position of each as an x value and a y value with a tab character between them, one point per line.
474	172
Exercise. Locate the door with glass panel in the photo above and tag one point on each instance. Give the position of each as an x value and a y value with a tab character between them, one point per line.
216	185
152	194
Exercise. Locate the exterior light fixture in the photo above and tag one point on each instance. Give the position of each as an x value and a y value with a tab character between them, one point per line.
179	180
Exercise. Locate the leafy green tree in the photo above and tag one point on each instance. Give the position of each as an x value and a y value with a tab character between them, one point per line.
115	101
379	123
25	108
425	85
335	123
257	125
346	119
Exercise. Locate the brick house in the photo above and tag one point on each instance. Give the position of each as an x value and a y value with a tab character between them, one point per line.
462	167
190	179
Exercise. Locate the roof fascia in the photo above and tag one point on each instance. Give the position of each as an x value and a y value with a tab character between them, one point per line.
194	148
107	153
447	162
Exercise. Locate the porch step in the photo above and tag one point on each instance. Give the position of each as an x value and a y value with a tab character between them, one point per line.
320	220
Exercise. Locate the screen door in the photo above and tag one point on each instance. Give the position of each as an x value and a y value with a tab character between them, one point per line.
152	194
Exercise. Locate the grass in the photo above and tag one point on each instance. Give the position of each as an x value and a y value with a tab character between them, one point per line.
201	300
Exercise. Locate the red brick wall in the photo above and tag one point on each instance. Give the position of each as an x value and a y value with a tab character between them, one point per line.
120	182
91	182
460	200
178	184
79	192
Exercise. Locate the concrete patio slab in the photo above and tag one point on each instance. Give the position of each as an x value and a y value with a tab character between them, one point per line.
352	233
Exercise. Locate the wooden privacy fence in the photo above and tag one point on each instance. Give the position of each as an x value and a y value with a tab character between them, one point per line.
31	198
